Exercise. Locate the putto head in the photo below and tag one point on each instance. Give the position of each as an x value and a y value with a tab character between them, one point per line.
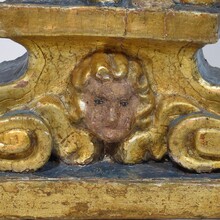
113	95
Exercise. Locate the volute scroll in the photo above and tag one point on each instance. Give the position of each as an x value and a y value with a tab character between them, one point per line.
25	143
116	114
103	92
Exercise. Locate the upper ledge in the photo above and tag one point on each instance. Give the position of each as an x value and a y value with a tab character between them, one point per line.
147	19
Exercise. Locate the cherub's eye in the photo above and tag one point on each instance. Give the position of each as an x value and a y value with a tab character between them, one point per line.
124	103
98	101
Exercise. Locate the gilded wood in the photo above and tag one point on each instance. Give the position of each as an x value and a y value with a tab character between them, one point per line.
187	149
206	2
150	23
92	199
49	76
26	143
96	67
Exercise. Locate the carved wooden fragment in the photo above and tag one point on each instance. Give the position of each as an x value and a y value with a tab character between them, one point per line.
123	82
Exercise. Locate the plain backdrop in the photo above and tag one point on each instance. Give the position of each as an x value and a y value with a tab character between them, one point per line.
9	50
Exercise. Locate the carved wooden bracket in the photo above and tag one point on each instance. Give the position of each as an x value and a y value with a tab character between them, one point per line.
126	79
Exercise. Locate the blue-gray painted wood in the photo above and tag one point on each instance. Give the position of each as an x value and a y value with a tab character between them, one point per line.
110	170
120	3
214	8
208	73
13	70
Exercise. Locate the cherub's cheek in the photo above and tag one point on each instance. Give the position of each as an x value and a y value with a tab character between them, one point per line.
126	118
96	113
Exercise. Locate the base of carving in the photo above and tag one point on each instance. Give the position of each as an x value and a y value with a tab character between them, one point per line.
108	190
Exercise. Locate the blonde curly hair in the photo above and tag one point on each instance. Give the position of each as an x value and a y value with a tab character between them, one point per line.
105	66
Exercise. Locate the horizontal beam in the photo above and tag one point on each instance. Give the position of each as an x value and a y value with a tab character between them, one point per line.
169	24
104	199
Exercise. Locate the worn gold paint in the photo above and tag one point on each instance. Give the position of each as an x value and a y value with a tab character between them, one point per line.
25	143
149	23
182	143
158	5
198	2
100	199
14	141
165	41
207	142
61	55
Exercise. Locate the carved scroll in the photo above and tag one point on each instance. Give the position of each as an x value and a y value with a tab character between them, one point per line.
109	104
93	118
25	143
72	145
194	142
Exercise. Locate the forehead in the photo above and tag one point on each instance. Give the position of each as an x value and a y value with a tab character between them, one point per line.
109	89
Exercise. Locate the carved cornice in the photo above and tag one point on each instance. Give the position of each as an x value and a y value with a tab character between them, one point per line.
159	21
124	81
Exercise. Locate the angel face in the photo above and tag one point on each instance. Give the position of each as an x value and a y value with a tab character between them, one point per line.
110	108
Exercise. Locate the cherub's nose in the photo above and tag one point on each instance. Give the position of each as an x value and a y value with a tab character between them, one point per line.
113	114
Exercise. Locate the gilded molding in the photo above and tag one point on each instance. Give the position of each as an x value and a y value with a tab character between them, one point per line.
110	84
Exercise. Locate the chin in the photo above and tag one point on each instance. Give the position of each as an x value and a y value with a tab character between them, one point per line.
112	139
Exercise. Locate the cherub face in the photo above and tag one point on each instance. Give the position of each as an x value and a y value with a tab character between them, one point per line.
110	108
